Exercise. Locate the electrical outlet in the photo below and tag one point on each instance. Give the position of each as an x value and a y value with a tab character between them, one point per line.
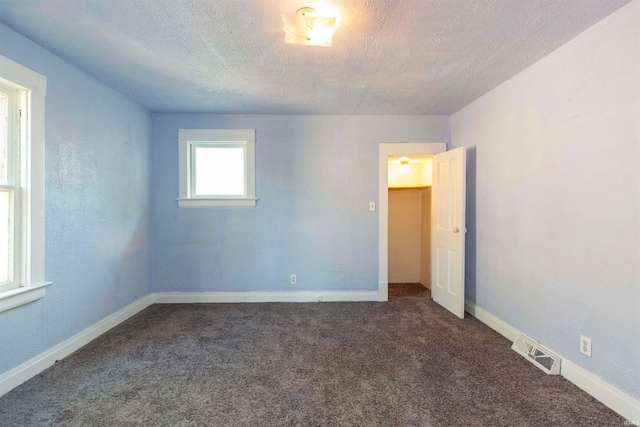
294	279
585	345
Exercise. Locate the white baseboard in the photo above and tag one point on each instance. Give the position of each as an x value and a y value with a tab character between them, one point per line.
589	382
503	328
383	291
13	378
238	297
612	397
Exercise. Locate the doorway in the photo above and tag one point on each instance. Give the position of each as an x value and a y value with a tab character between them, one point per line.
447	225
387	150
410	220
410	236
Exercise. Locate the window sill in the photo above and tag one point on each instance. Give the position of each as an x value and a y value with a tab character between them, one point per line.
20	296
217	203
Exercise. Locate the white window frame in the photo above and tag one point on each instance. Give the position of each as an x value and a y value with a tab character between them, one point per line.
31	90
16	103
189	140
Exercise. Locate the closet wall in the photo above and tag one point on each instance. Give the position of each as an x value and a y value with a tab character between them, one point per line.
409	235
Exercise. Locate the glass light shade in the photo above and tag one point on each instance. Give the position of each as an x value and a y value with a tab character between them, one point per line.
307	29
404	168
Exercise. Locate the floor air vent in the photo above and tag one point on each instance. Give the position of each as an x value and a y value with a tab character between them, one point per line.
536	354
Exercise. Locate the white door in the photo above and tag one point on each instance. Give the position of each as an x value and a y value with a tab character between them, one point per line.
448	229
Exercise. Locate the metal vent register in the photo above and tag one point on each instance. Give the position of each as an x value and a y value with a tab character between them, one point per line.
537	354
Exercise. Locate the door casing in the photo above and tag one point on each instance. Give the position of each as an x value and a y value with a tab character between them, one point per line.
387	149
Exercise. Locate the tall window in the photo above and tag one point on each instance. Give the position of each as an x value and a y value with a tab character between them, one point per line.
217	168
10	200
22	95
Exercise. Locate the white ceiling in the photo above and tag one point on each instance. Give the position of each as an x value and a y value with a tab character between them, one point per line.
229	56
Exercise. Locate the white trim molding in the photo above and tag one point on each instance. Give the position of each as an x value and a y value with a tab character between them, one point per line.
503	328
22	295
217	203
34	90
13	378
188	140
243	297
383	291
604	392
589	382
19	74
609	395
387	149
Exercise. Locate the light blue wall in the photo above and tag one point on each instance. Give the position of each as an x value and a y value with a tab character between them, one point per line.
554	199
315	178
553	203
97	206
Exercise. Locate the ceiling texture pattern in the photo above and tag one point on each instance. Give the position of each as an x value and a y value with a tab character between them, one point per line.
229	56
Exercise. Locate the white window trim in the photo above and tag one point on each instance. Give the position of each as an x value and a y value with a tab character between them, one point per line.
33	283
189	137
17	99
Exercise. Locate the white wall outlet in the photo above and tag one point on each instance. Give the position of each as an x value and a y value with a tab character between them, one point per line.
294	279
585	345
372	206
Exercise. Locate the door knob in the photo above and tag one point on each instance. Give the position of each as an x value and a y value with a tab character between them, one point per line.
456	230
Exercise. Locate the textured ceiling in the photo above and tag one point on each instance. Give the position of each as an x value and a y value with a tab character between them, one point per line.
229	56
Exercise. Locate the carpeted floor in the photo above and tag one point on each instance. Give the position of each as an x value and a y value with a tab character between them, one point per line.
403	363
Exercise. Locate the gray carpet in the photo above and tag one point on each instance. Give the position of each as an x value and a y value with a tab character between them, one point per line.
403	363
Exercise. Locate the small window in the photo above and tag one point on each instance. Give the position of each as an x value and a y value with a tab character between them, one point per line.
217	168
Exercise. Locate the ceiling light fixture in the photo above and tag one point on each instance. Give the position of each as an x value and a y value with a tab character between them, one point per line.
308	29
404	168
